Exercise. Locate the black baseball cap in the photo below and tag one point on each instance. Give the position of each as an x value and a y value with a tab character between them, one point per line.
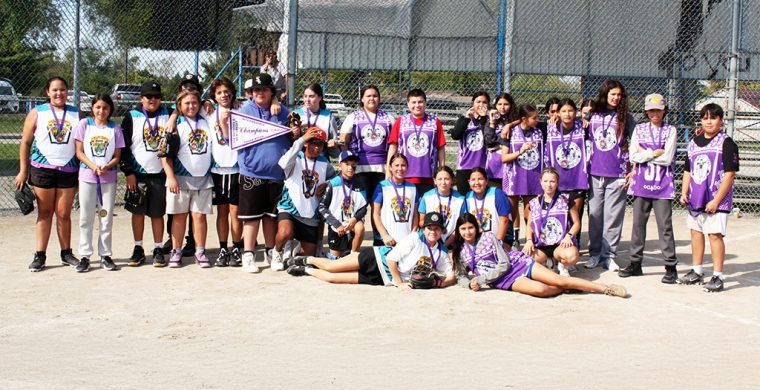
151	88
433	219
261	80
191	79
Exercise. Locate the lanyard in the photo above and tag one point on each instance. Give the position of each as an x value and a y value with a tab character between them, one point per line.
565	145
220	134
606	128
402	199
372	123
471	249
417	131
543	218
659	140
55	117
346	196
153	129
308	118
430	251
440	206
479	211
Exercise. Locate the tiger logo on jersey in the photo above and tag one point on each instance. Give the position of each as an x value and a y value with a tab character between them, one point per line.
310	180
219	136
401	213
198	142
485	220
59	134
424	265
98	146
152	139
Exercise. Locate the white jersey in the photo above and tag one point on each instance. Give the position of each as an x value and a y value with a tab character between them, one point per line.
146	136
194	154
53	144
342	208
398	205
450	206
299	197
225	159
323	119
411	253
99	142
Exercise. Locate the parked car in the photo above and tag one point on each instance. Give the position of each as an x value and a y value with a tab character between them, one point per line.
125	97
8	98
85	100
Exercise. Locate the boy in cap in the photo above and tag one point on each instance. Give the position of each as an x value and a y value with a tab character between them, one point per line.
344	206
306	169
143	130
652	148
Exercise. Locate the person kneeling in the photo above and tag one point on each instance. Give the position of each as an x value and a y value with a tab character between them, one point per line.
419	260
343	207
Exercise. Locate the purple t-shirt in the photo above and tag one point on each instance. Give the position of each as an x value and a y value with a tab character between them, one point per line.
100	144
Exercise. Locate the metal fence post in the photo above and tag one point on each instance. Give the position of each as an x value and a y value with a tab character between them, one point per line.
500	45
292	46
76	85
733	69
508	37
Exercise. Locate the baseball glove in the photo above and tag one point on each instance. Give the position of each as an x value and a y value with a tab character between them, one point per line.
25	199
422	280
294	120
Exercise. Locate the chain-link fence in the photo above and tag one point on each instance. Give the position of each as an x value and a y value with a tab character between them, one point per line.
451	49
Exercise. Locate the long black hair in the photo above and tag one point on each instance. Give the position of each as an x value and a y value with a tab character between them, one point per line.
600	106
458	240
317	89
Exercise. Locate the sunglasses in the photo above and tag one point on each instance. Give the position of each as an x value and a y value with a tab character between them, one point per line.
150	97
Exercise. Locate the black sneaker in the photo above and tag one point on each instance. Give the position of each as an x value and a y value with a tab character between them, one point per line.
67	258
167	248
107	264
38	263
714	285
296	270
189	248
297	261
671	275
138	257
235	258
691	277
223	259
158	258
84	265
633	269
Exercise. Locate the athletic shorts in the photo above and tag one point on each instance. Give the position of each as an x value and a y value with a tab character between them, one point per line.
368	271
52	178
338	243
258	198
226	189
154	204
708	223
193	201
548	250
302	232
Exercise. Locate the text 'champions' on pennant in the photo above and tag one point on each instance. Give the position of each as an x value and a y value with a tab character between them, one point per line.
246	130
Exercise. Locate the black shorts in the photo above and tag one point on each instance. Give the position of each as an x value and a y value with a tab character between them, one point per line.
154	203
368	271
368	181
548	250
52	178
302	232
338	243
226	189
258	197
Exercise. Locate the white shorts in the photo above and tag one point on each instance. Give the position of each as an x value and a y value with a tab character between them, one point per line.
708	223
195	201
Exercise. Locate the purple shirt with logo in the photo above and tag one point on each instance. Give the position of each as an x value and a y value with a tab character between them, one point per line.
494	166
472	148
607	158
523	176
651	180
706	175
370	142
419	144
550	225
569	155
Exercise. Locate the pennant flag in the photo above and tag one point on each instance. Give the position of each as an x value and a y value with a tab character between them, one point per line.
246	130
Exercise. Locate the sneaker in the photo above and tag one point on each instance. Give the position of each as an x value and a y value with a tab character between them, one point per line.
202	260
268	256
714	285
671	275
234	258
84	265
67	258
296	270
138	257
107	264
615	291
249	263
223	259
611	265
291	249
277	264
633	269
550	263
515	243
167	248
691	277
175	261
592	262
297	261
189	248
38	264
159	261
563	270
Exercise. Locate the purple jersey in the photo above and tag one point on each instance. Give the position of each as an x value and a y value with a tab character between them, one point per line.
651	180
707	174
550	225
607	158
368	138
568	154
494	166
472	148
523	176
483	258
419	145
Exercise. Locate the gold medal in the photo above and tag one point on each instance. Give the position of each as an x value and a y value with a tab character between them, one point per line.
103	213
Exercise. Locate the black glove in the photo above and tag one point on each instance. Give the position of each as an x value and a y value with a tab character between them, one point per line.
25	199
422	280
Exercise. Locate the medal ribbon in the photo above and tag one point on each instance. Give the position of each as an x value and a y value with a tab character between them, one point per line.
219	128
659	144
153	130
55	117
479	211
346	196
440	206
100	191
310	173
430	251
401	200
308	118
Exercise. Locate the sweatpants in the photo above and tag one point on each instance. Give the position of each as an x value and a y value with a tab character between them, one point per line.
606	209
88	210
663	213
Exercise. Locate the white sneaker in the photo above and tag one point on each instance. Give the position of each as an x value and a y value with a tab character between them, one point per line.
612	265
291	249
562	270
277	264
268	256
592	262
249	263
550	263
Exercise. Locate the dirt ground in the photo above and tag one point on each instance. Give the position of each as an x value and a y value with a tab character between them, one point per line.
222	328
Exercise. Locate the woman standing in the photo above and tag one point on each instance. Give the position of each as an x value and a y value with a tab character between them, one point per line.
47	134
498	123
315	113
469	130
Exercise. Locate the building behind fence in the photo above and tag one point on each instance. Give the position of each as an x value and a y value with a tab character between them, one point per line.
693	52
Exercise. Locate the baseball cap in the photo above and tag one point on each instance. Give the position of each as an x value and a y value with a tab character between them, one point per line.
261	80
654	101
347	155
321	135
150	88
191	79
433	219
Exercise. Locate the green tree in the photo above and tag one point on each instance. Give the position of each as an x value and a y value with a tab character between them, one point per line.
23	32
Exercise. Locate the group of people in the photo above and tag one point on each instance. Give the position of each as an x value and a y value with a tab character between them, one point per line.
432	226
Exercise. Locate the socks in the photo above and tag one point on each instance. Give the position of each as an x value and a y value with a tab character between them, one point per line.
199	250
222	244
517	234
238	245
308	270
139	243
158	245
720	275
66	251
697	269
42	254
